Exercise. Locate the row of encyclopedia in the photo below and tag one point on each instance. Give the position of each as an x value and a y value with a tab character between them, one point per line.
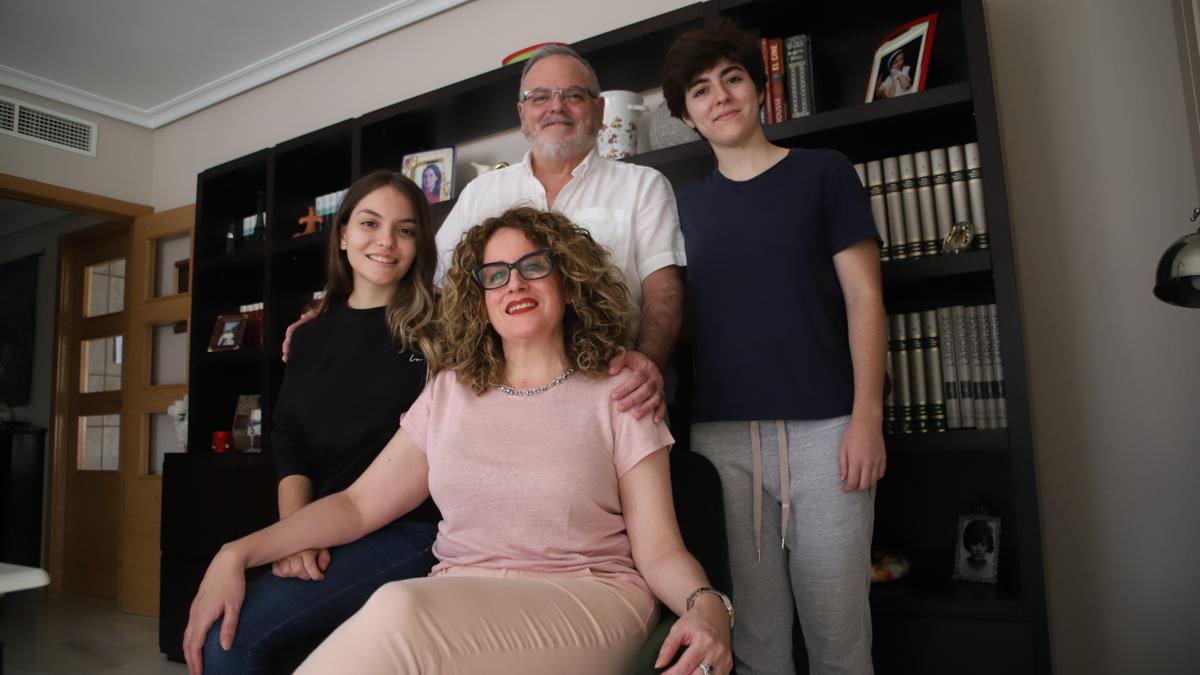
946	371
927	203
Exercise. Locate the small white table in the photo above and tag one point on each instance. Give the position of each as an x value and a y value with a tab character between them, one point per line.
21	578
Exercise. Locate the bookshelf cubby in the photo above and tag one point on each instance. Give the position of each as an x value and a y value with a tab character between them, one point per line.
925	622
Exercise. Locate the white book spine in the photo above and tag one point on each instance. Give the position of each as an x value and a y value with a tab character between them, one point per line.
987	350
940	177
949	367
895	208
929	232
899	344
912	213
916	372
933	370
977	379
958	184
878	208
975	188
962	353
998	392
861	170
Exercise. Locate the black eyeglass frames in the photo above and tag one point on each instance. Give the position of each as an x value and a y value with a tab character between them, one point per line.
531	266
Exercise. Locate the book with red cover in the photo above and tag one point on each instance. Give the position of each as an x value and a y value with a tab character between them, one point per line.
776	90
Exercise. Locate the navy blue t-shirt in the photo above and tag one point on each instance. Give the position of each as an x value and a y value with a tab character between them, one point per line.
769	320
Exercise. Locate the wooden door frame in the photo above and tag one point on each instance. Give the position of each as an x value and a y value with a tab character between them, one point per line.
62	454
139	527
122	214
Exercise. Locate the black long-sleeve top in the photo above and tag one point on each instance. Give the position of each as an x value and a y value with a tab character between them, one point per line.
344	388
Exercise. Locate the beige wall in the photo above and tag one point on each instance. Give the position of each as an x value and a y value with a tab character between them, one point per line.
121	168
1100	182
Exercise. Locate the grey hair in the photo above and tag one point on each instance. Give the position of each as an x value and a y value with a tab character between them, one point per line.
557	50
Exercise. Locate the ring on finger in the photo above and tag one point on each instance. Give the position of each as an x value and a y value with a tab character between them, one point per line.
706	668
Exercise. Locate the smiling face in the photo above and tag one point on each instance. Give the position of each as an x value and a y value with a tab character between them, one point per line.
522	310
429	179
722	104
557	128
380	243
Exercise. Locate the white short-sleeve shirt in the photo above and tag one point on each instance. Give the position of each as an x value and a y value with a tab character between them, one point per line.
629	209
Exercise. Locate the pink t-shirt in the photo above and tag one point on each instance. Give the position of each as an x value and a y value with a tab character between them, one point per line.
531	482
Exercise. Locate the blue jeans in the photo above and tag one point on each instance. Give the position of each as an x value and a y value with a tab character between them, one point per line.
281	613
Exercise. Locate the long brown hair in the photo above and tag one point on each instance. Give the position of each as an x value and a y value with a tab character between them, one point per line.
410	313
597	320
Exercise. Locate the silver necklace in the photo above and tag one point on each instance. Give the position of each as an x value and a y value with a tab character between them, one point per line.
533	391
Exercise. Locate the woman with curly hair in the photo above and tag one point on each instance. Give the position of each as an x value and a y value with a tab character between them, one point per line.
558	528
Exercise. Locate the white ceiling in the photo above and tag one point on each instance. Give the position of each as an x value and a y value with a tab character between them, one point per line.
151	62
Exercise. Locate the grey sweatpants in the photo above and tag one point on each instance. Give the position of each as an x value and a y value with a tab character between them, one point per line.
825	568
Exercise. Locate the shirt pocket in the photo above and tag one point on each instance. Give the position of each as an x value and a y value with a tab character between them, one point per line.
612	229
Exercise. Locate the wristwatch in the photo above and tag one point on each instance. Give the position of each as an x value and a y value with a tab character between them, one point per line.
709	589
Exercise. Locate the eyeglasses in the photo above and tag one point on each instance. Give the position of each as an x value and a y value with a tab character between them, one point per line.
573	95
530	266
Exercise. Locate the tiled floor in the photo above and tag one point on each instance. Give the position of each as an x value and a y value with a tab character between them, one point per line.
51	633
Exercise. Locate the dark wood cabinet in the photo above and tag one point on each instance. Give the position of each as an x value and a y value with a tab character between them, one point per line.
208	499
22	475
924	623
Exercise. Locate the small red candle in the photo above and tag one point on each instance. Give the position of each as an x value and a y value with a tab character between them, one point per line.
221	441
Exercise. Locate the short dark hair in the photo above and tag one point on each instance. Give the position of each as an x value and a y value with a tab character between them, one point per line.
978	532
698	50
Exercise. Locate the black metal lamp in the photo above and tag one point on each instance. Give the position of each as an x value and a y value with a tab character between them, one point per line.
1178	278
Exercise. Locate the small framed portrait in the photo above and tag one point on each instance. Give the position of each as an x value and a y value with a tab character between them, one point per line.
902	60
228	333
432	171
247	424
978	549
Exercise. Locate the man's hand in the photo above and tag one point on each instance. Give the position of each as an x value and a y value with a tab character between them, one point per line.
862	457
642	391
309	565
287	335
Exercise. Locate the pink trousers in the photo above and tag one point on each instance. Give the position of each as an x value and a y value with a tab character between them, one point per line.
469	620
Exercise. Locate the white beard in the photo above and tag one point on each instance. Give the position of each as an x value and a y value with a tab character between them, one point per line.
579	143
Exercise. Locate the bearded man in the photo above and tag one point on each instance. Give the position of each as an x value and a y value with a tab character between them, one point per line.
628	209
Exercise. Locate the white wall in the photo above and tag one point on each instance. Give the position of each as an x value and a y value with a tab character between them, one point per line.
120	169
1100	182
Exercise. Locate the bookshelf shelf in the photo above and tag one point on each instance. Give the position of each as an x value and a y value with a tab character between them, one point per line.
922	495
950	441
936	267
954	599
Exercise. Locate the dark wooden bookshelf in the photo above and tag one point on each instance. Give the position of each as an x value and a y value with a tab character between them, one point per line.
925	623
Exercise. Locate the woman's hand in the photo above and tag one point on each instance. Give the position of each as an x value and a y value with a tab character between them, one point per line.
309	565
221	593
704	632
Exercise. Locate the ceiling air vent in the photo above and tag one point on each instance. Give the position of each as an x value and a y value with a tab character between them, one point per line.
47	127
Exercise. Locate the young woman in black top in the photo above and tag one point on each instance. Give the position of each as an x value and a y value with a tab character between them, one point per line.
352	372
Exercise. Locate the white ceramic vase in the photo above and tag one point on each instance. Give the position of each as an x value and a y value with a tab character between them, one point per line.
618	134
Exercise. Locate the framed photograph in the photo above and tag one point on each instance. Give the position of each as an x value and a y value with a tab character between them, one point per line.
433	171
902	60
228	333
247	424
978	548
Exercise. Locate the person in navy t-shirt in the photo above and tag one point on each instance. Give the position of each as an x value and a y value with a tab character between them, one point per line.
783	292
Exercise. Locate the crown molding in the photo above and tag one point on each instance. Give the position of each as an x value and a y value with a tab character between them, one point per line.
347	36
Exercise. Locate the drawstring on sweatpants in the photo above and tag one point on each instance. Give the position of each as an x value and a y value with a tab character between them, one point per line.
784	481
